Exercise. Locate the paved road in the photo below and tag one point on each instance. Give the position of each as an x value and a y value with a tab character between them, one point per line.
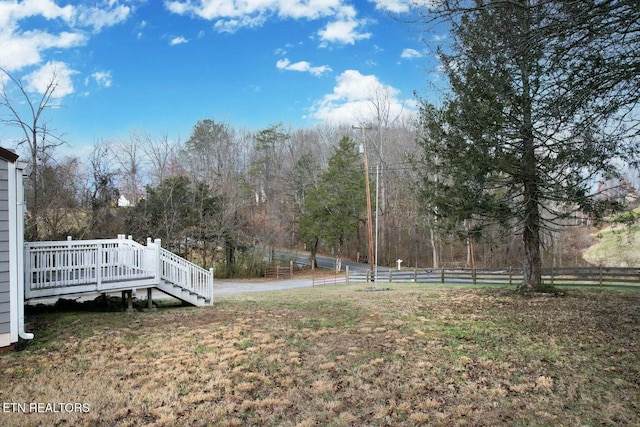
302	259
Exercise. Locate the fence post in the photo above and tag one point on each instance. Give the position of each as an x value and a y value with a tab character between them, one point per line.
552	275
473	275
346	269
290	269
510	275
600	275
442	276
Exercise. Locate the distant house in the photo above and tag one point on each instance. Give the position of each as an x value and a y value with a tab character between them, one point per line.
11	250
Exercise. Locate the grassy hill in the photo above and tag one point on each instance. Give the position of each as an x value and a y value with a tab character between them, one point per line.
618	245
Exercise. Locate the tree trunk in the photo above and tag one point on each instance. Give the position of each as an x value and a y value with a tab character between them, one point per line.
532	268
312	254
230	254
532	263
434	246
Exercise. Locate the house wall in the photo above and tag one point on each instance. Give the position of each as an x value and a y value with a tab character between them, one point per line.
5	294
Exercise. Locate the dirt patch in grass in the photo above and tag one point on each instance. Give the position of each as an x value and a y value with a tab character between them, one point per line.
339	356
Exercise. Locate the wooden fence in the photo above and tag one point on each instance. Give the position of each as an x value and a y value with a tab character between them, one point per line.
567	276
278	272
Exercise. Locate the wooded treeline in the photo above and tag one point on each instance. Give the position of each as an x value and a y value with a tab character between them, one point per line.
535	139
225	197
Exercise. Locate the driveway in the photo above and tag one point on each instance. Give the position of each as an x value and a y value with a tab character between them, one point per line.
228	287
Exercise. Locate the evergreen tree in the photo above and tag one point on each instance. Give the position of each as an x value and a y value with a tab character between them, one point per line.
332	209
506	146
180	212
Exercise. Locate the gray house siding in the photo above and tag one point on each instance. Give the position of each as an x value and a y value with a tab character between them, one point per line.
5	312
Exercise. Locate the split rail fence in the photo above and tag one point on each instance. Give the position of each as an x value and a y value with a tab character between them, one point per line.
566	276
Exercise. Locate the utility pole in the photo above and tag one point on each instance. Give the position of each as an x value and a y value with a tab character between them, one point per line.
368	195
375	275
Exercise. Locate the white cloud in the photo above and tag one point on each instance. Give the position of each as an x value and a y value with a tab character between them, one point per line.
232	15
10	12
98	17
53	72
233	25
354	97
302	66
410	54
178	40
180	8
233	9
395	6
102	78
26	48
343	31
140	27
312	9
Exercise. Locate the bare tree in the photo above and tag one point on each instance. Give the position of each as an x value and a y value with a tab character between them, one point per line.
102	194
60	209
38	137
161	156
127	155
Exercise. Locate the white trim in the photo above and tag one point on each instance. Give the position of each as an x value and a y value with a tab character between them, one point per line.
13	249
19	248
5	340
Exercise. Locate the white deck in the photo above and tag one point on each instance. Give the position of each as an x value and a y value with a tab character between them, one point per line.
93	266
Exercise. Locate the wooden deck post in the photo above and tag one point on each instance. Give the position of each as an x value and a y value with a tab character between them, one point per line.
150	300
127	298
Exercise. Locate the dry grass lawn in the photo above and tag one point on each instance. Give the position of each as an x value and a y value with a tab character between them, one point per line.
339	356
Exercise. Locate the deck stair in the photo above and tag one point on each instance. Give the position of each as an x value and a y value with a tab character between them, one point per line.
109	265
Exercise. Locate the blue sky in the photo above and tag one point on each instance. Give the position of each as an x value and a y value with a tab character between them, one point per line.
160	66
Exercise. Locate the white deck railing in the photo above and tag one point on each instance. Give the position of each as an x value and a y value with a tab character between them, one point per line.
189	276
77	266
53	268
